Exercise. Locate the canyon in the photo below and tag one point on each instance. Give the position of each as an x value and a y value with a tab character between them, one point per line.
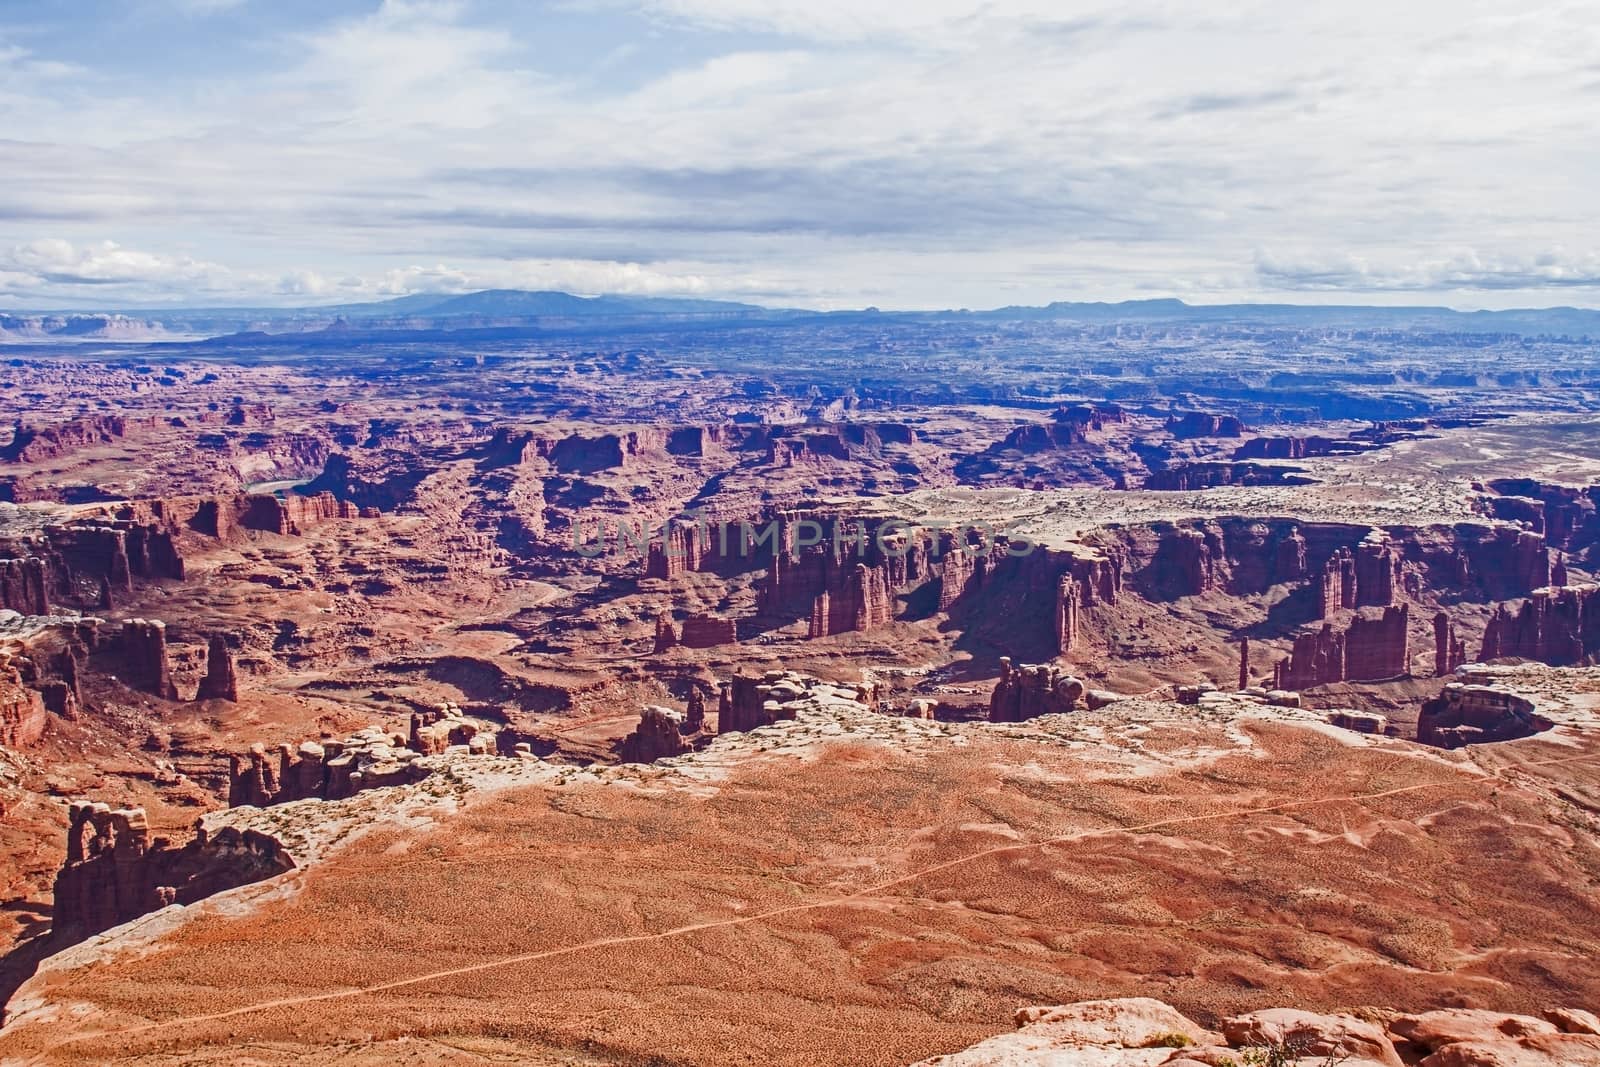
767	691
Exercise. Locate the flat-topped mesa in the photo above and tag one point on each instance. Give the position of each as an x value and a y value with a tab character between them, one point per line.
221	680
1046	437
1194	424
1027	691
294	514
1567	516
1467	714
143	646
31	445
789	446
115	871
1190	477
23	585
1298	447
1558	626
708	631
1371	648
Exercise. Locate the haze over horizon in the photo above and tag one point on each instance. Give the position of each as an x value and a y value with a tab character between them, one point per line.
938	155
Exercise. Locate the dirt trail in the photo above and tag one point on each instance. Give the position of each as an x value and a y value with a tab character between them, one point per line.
794	909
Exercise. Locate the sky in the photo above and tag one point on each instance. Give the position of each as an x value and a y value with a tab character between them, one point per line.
816	153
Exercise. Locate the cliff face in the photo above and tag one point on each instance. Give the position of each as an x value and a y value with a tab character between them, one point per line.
22	585
143	646
1567	516
1470	714
1371	648
115	872
708	631
30	445
1558	626
1188	477
1201	424
22	709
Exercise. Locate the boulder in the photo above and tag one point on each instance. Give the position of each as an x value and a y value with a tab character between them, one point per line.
1340	1036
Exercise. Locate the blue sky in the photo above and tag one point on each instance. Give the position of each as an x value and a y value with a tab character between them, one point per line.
824	153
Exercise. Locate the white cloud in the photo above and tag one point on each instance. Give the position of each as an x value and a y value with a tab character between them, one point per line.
947	152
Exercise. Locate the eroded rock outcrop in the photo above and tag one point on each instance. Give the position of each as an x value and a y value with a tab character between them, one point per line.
115	871
1558	626
663	733
1141	1032
221	680
145	665
367	759
1194	424
1028	691
22	707
1371	648
1469	714
23	584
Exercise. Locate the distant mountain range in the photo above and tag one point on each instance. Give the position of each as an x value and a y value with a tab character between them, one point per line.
512	312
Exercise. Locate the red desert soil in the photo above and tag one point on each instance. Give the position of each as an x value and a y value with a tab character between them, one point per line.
901	902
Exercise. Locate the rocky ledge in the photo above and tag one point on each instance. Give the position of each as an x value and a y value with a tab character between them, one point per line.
1139	1031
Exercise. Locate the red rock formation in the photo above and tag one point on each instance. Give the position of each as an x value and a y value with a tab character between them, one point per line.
1556	626
1046	437
1187	560
221	680
115	872
1244	663
22	585
1295	447
1377	573
1200	424
28	445
1069	608
1028	691
1372	648
144	652
1465	714
695	711
1338	589
682	550
22	708
661	734
708	631
368	759
1449	651
666	633
1189	477
1501	561
748	703
294	514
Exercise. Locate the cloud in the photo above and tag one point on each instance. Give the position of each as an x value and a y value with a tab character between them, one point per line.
57	262
1464	270
952	152
107	271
